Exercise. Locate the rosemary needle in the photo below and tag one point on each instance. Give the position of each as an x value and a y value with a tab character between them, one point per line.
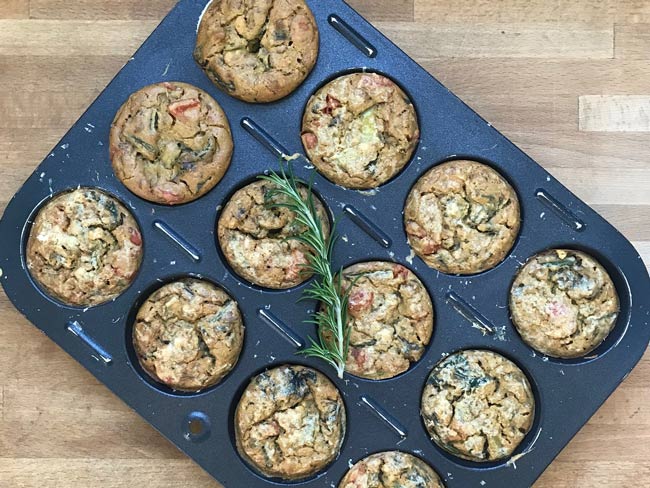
333	340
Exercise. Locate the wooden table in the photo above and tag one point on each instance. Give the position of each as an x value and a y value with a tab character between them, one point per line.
568	81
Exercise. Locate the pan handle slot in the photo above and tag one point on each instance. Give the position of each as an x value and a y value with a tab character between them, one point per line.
286	331
366	225
560	210
100	354
383	415
357	40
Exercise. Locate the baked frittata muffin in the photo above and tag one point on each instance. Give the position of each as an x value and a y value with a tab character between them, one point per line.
563	303
257	240
462	217
390	315
84	247
170	143
478	405
360	130
290	422
391	469
188	334
257	50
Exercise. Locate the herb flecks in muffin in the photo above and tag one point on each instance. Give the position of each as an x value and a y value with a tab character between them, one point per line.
170	143
333	340
563	303
188	334
360	130
84	247
257	50
462	217
390	316
478	405
392	469
258	235
290	422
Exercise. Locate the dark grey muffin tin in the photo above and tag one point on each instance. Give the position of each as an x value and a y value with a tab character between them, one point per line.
471	312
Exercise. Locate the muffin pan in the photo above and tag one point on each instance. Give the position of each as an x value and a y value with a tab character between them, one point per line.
471	312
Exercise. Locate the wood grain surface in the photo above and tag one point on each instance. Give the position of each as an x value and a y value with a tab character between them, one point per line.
566	80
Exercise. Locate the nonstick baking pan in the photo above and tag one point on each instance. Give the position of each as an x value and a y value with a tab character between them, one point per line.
471	311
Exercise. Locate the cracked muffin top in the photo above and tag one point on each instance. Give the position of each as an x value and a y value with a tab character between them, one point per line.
84	247
462	217
170	143
257	239
188	334
360	130
391	469
478	405
290	422
390	315
257	50
563	303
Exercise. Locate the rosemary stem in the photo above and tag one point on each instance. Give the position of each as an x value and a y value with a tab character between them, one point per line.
333	350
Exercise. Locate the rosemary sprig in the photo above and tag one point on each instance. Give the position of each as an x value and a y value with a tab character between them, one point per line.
333	341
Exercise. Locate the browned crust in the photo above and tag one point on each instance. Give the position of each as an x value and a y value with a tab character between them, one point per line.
188	334
462	217
360	130
170	143
391	469
257	50
290	422
391	319
257	240
84	247
563	303
478	405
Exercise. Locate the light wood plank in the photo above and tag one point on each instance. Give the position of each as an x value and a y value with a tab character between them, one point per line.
14	9
614	113
591	12
99	9
632	41
607	187
103	472
626	219
633	11
28	111
25	73
533	40
514	11
384	9
521	77
72	37
527	82
567	473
